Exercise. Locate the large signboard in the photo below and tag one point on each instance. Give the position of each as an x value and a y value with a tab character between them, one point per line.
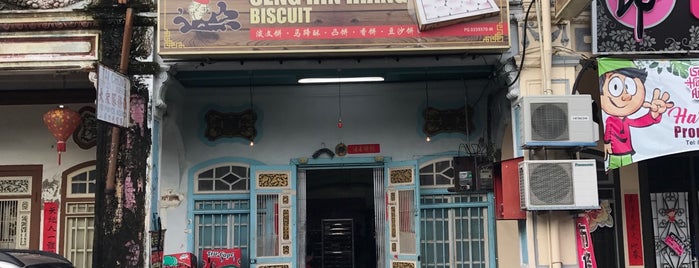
333	26
643	27
650	108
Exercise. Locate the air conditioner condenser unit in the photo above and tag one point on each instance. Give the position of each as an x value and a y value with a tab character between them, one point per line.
556	121
558	184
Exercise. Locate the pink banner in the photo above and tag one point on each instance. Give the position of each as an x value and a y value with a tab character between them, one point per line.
694	7
674	242
586	252
50	225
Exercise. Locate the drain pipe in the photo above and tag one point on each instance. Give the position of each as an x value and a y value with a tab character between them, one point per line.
554	244
546	55
545	44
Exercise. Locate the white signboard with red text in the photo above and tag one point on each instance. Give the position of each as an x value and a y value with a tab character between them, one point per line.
650	108
113	96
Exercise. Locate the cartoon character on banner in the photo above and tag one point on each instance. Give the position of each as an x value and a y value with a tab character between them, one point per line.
623	93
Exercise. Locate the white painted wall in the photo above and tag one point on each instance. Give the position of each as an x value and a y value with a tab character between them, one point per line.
25	140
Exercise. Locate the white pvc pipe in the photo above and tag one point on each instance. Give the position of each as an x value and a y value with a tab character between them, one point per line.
546	48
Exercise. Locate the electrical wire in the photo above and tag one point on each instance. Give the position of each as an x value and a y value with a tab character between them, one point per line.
524	45
586	65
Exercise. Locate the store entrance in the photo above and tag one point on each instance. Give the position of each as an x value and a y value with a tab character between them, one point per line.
340	218
673	208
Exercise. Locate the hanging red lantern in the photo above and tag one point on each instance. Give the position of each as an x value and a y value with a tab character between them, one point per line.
61	122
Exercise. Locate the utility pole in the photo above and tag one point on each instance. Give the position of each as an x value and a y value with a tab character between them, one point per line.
120	207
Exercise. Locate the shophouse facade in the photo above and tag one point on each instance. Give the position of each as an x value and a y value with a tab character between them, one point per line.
48	49
253	162
244	157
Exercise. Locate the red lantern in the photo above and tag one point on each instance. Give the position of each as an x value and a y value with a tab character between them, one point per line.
61	122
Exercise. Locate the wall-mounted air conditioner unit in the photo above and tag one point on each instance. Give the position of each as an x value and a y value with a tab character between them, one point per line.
556	121
558	184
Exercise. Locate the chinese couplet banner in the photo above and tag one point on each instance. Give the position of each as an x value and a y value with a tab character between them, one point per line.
633	229
50	225
650	108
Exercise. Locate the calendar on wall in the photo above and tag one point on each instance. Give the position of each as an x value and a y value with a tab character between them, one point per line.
438	13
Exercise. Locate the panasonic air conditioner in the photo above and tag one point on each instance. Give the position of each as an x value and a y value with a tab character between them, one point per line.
556	121
558	185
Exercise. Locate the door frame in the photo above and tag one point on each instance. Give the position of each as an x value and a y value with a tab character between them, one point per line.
396	181
303	165
35	172
279	180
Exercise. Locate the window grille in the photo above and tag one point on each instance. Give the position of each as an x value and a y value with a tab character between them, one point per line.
82	183
222	223
80	231
79	216
223	179
453	226
8	223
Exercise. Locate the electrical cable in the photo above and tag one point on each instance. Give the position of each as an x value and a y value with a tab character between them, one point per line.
524	45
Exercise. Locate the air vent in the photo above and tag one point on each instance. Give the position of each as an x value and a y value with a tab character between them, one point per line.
549	121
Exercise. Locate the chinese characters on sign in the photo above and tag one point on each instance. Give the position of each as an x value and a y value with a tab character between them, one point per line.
50	224
113	97
586	252
633	229
643	26
363	148
312	26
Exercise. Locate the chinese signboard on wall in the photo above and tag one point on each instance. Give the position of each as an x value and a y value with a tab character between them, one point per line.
312	26
112	96
633	27
650	108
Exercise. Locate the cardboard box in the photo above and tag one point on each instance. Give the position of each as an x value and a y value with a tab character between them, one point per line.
221	258
439	13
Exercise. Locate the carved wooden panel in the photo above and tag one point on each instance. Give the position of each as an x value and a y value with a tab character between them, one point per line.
447	121
401	264
230	125
402	175
15	185
273	180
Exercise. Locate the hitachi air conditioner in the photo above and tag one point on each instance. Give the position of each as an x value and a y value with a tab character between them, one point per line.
556	121
558	184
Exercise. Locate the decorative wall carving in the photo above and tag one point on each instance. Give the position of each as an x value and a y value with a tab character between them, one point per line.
401	175
85	135
230	125
446	121
15	186
403	265
37	4
273	180
47	25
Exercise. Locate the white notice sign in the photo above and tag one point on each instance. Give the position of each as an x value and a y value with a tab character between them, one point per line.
113	96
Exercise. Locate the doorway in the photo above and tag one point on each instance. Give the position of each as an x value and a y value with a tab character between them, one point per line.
340	218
